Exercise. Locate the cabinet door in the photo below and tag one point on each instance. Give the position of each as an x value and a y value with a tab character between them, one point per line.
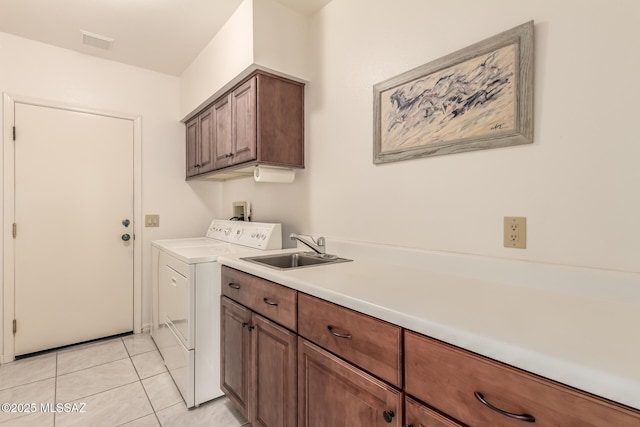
418	415
331	392
273	381
244	122
235	353
206	146
222	133
193	141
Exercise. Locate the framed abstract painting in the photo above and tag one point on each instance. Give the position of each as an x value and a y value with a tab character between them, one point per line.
476	98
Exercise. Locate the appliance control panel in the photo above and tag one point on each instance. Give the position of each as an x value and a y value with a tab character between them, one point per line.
257	235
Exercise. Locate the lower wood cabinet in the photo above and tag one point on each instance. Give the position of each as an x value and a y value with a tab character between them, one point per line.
366	342
346	369
258	366
332	392
273	375
418	415
235	357
482	392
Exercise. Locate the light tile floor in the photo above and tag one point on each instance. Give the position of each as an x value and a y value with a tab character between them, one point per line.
116	382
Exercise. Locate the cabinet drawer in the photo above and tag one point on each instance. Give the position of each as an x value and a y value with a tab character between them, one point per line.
418	415
370	343
449	379
276	302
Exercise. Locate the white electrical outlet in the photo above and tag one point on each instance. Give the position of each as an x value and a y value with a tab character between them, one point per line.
515	232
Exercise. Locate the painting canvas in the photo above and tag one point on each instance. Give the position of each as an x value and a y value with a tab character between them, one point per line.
476	98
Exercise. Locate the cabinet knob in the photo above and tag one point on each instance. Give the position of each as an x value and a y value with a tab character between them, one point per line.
248	326
388	416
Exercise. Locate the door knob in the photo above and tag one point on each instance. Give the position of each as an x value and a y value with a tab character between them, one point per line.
126	222
126	237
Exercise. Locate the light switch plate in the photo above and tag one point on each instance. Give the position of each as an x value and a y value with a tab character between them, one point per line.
515	232
152	220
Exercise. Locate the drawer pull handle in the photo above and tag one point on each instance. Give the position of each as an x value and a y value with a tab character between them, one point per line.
269	302
388	416
336	334
234	286
520	417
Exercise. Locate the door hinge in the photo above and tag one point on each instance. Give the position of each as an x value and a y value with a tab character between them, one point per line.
14	133
15	325
15	230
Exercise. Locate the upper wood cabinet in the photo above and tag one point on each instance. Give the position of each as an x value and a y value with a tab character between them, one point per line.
222	134
260	121
193	140
200	143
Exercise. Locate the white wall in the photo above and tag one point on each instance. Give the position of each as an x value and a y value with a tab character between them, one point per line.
577	184
260	34
45	72
227	55
280	39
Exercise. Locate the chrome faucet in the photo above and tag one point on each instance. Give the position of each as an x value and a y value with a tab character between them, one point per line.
318	246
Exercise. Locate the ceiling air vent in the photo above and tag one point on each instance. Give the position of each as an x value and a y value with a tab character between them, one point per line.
96	40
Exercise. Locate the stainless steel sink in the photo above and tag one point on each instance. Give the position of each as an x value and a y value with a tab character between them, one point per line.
295	260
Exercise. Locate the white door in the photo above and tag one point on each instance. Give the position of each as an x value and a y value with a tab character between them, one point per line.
73	190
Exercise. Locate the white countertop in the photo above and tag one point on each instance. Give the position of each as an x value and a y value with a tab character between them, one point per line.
573	325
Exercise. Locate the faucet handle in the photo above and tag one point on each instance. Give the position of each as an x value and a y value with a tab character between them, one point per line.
321	241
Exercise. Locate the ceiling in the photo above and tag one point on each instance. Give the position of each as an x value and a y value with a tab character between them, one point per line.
160	35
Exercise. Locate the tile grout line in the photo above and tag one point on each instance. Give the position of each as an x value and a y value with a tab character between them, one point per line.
94	366
129	355
71	350
27	383
155	414
102	364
